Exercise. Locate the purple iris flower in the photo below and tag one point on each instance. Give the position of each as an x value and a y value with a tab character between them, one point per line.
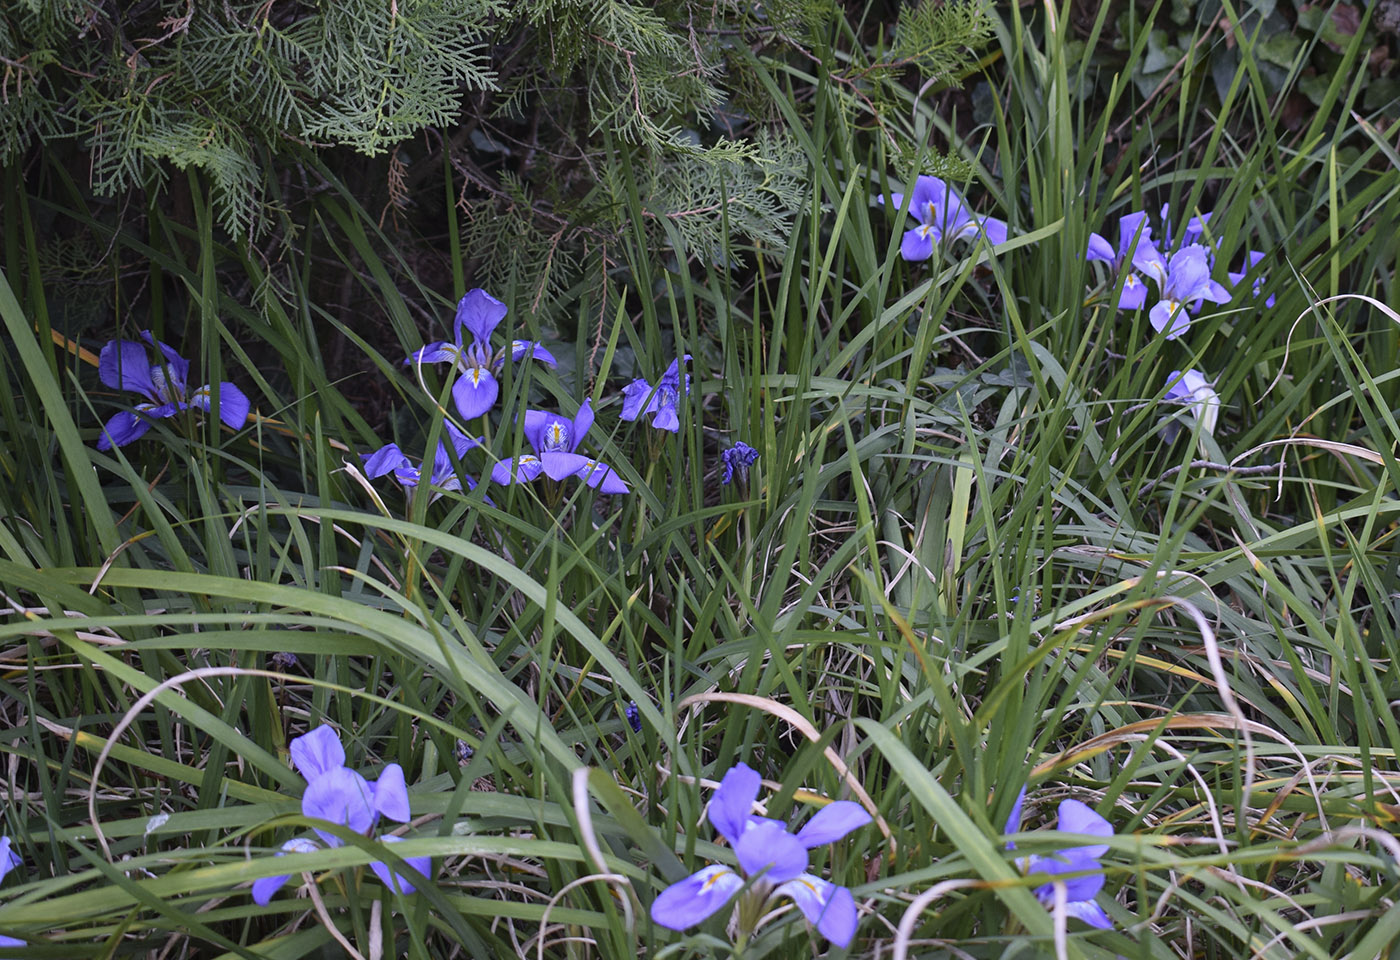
476	389
772	863
8	861
339	795
1195	228
126	365
1252	259
1193	390
390	459
661	401
738	458
1075	817
943	217
1135	251
1187	281
555	439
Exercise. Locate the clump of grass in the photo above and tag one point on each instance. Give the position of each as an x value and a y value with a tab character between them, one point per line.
964	563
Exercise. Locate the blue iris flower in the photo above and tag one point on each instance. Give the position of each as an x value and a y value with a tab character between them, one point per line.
1136	252
339	795
1187	281
662	401
126	365
390	459
943	217
476	389
772	863
8	861
555	439
737	458
1252	259
1075	818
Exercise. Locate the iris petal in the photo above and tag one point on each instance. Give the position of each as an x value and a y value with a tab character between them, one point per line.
125	365
391	794
318	752
1079	817
696	898
475	392
916	245
730	806
122	429
480	313
831	909
439	352
832	822
341	796
766	847
397	881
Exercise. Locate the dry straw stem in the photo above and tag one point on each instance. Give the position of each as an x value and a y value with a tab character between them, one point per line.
799	723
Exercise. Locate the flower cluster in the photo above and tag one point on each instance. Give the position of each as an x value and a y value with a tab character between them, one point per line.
338	795
944	217
1075	818
126	365
772	863
554	438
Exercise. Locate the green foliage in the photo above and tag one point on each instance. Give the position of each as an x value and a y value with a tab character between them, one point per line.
966	561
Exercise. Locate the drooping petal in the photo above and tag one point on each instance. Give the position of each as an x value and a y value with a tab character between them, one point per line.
1079	817
391	794
520	349
731	803
638	397
1169	318
397	881
996	230
461	442
1134	293
173	366
766	847
603	478
386	459
122	429
831	909
265	887
1099	249
475	392
1215	292
439	352
233	404
318	751
916	245
480	313
125	365
1090	912
12	941
8	858
558	465
341	796
1068	861
521	469
832	822
692	900
667	418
